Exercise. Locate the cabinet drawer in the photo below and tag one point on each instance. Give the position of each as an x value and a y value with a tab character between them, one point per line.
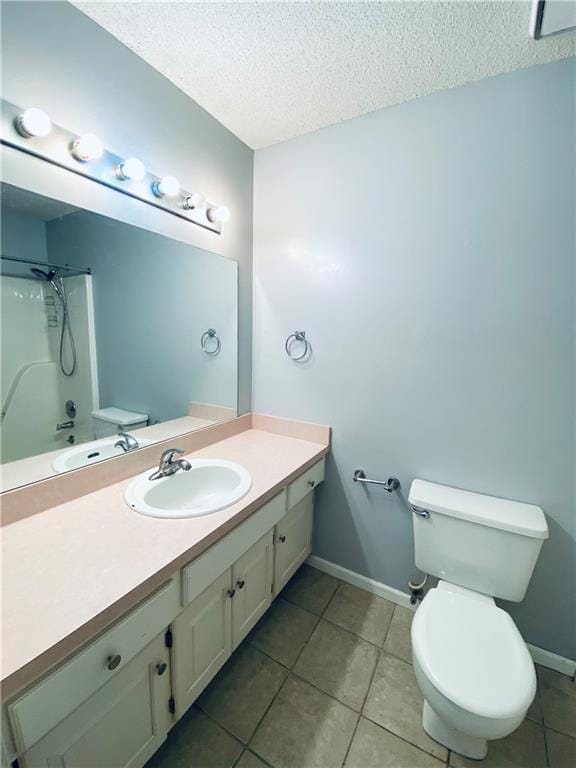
121	725
201	572
305	483
41	708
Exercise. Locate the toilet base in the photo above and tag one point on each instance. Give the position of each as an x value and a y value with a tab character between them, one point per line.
437	729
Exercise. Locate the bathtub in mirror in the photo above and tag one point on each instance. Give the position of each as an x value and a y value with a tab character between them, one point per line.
112	337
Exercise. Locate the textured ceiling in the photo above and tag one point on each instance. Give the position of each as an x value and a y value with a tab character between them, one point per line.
270	71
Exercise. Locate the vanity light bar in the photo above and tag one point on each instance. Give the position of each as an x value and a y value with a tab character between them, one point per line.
31	131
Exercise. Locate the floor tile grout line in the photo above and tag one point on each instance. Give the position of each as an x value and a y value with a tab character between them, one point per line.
354	634
405	740
389	626
268	708
332	596
363	703
235	763
210	717
546	746
343	763
549	728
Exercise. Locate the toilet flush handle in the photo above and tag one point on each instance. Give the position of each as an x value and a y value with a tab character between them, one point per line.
420	511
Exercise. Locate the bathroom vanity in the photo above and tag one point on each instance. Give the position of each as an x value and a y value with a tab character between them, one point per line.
185	593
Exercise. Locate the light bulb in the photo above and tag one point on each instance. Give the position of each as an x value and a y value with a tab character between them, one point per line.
168	186
132	169
195	200
33	122
87	147
219	214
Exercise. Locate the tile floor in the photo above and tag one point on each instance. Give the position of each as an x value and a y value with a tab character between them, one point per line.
325	680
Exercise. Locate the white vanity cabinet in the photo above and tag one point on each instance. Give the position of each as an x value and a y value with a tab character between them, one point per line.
202	641
252	587
212	626
113	703
293	541
121	725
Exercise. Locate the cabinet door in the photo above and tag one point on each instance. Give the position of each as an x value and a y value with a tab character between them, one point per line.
292	541
202	641
252	581
119	726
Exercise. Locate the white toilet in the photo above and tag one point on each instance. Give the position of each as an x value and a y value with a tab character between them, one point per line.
471	662
110	421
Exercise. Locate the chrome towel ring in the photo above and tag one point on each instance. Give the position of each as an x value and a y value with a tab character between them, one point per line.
297	336
206	339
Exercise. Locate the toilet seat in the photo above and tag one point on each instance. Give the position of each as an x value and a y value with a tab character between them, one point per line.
472	653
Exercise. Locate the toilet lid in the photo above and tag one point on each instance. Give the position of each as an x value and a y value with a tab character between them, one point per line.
472	652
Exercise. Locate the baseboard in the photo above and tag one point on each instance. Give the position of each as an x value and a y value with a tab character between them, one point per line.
539	655
363	582
552	660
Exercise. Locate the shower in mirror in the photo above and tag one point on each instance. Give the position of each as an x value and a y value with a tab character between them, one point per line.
57	283
101	337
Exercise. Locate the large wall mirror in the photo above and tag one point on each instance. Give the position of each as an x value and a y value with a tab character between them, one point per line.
112	337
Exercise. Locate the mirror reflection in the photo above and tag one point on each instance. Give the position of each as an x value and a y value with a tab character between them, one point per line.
112	337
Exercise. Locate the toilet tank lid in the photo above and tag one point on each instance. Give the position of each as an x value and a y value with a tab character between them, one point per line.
514	516
119	416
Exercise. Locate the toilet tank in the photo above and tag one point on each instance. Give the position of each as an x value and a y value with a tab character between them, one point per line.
486	544
111	421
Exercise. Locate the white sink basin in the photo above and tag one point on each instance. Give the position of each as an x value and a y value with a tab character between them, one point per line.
209	486
89	453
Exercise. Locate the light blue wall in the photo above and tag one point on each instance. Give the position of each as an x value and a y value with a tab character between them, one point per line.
428	251
153	299
56	58
23	237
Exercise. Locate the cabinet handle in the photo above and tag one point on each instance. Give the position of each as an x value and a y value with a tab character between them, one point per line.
311	483
240	583
282	539
161	668
113	661
230	592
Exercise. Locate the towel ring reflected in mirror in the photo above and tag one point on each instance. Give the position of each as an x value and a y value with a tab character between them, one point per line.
298	336
210	342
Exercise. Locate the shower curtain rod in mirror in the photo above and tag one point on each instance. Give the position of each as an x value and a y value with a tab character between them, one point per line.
76	270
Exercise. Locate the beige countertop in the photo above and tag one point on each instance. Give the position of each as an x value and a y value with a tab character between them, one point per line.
72	570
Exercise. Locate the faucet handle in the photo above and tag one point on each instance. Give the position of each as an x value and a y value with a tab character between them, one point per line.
168	455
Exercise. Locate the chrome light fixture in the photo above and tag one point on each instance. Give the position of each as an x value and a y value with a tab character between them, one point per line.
33	122
131	169
30	130
87	147
218	214
195	200
168	186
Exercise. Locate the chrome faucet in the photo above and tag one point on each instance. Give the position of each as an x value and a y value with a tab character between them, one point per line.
127	442
169	465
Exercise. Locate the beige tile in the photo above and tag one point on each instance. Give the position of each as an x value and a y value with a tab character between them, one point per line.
398	637
197	742
535	711
558	696
304	728
561	750
373	747
395	702
282	631
339	663
250	760
524	748
311	589
360	612
242	691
